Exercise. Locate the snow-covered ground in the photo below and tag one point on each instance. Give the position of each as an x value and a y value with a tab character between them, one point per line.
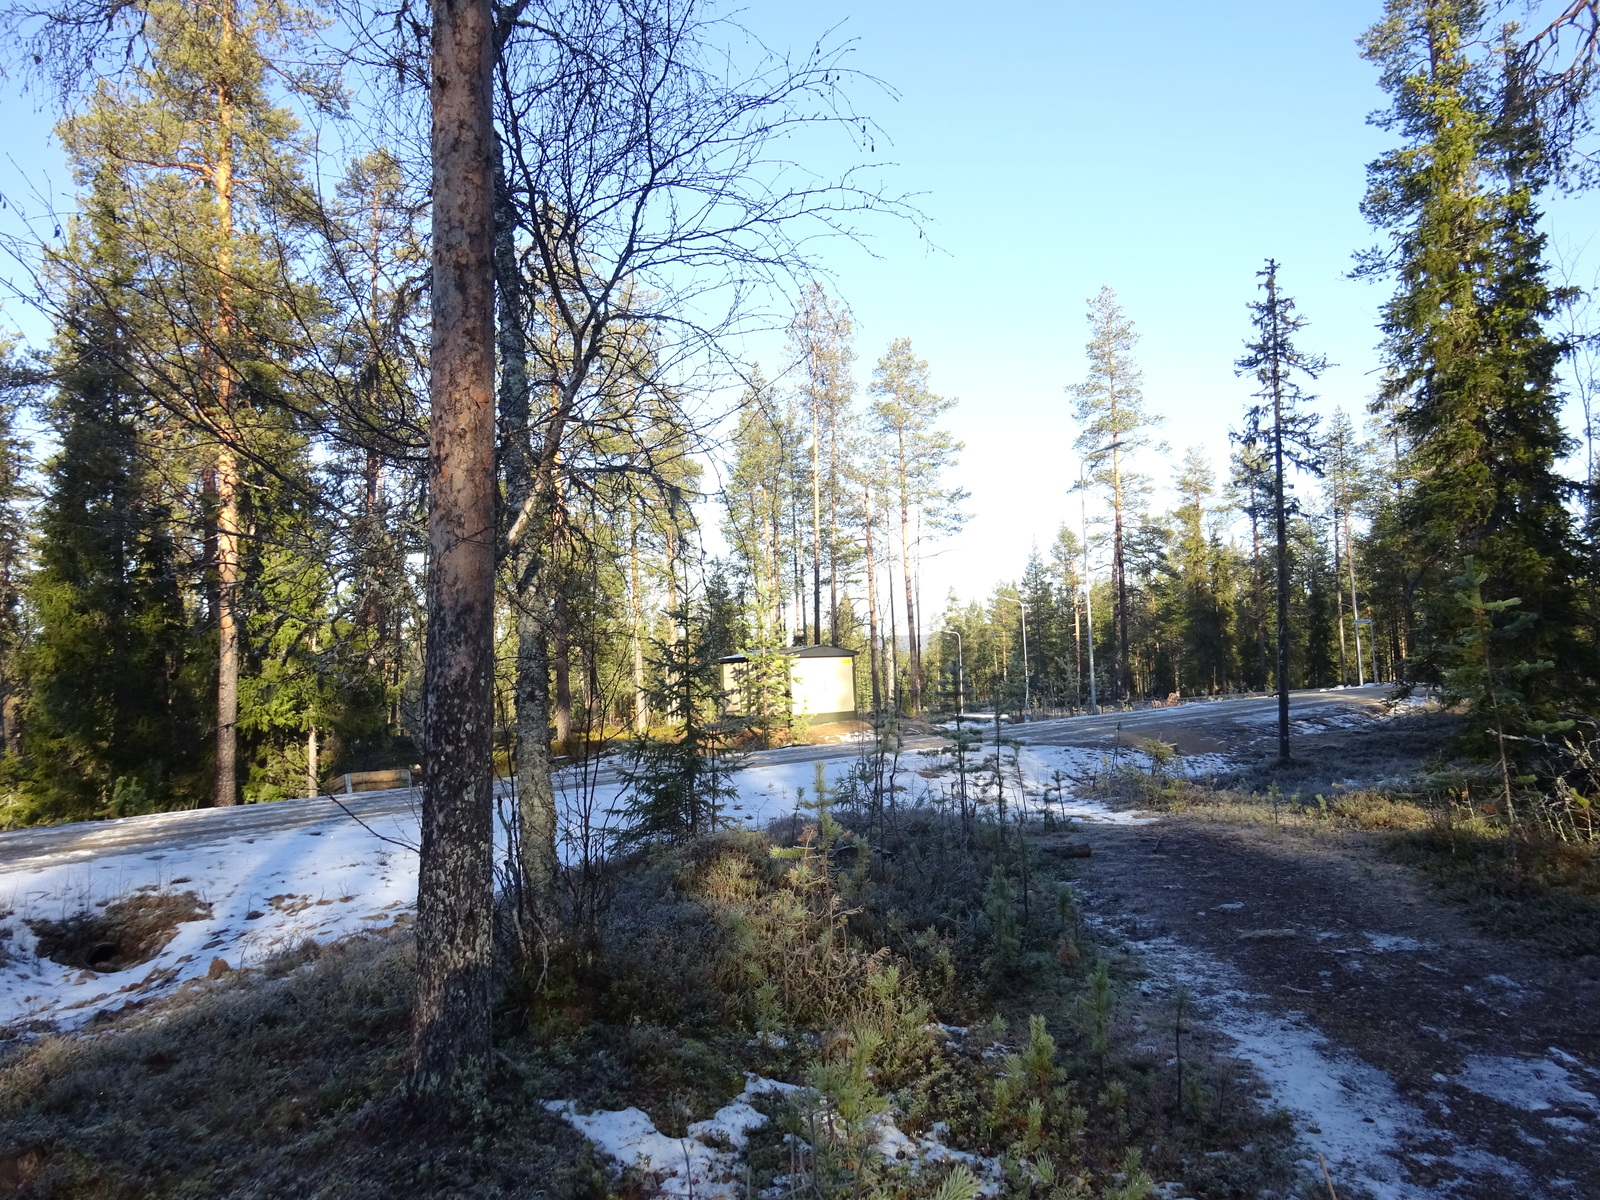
271	892
266	895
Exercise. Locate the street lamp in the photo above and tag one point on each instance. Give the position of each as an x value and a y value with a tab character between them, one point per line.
960	705
1027	706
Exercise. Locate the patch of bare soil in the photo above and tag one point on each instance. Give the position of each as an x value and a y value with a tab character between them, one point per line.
122	935
1488	1051
1334	750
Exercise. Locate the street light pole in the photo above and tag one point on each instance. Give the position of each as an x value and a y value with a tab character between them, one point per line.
1027	704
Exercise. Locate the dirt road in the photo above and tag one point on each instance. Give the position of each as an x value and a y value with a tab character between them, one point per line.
1419	1057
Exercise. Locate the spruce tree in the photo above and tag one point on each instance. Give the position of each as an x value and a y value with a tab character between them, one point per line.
1287	437
112	725
1472	383
1203	625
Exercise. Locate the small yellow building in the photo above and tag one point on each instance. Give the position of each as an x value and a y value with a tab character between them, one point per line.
822	682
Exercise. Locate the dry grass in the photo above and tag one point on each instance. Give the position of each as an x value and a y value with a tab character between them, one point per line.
280	1083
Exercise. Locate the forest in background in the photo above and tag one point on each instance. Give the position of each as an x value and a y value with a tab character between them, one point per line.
212	576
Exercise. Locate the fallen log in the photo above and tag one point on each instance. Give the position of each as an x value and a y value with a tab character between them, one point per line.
1074	850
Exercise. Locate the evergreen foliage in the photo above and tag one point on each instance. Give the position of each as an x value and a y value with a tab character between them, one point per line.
676	784
112	718
1472	389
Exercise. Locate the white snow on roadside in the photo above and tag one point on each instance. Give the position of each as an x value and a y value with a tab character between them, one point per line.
267	894
1344	1109
703	1165
274	889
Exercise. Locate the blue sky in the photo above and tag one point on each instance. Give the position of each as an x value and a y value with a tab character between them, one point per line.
1165	149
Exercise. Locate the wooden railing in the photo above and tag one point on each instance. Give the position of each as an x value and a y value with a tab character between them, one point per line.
369	781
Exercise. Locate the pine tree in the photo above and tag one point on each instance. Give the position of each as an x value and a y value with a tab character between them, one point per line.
905	413
210	169
1066	555
1110	406
821	334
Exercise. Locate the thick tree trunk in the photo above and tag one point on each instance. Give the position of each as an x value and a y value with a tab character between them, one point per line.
228	481
450	1018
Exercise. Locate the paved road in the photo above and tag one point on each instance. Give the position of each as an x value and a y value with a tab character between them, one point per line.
24	849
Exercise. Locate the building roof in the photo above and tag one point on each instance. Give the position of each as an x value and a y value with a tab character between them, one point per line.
798	652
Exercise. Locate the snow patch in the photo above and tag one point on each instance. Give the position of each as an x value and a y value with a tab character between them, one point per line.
704	1165
267	895
1529	1084
1385	943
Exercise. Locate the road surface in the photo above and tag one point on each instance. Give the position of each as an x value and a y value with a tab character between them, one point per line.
1197	727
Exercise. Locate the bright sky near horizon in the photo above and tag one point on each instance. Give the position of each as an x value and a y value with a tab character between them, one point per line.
1165	149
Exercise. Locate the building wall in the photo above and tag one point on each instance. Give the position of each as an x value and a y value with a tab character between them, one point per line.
823	685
